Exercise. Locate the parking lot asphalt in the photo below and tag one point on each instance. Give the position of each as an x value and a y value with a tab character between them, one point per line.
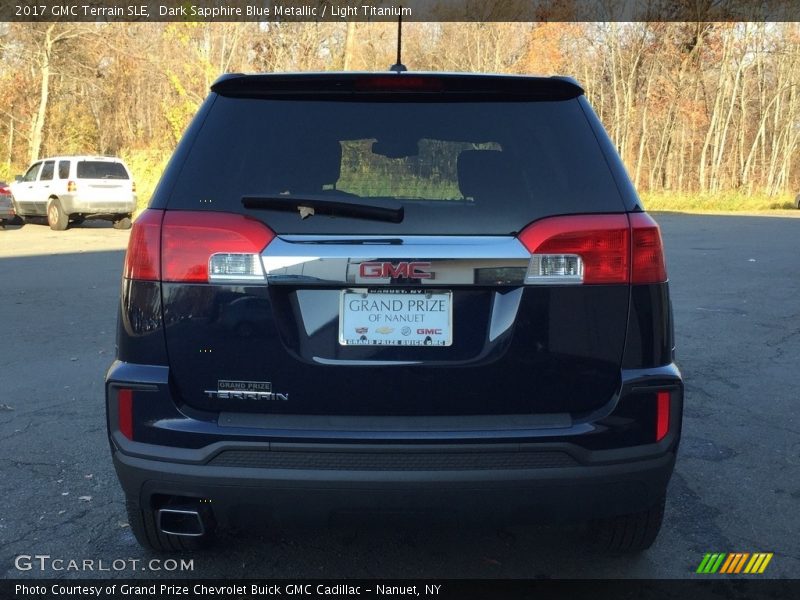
735	284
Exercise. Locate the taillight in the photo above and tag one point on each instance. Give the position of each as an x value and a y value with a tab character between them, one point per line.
142	261
662	415
592	249
578	249
210	246
72	186
125	412
196	247
647	265
133	186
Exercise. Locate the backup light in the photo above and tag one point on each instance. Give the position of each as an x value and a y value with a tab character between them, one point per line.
555	268
227	265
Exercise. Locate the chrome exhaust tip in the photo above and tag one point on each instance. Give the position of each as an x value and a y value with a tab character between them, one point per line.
182	521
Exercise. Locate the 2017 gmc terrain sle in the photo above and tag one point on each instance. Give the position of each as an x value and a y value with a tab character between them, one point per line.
394	290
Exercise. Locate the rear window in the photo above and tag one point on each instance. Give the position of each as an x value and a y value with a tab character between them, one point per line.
98	169
457	167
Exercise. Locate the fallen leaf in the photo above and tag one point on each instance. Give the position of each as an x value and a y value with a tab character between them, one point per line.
85	498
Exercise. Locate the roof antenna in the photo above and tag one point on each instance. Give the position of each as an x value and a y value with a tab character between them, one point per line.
399	67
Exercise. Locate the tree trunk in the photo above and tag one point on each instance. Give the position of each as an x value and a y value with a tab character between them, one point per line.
349	44
44	89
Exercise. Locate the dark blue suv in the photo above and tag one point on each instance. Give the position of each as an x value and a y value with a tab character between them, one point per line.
394	291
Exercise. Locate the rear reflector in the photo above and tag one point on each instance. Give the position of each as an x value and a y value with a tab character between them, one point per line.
578	249
229	243
142	261
125	412
662	415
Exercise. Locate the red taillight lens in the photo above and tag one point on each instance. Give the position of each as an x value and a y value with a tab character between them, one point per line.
601	241
662	415
647	250
125	412
190	239
595	249
142	260
72	186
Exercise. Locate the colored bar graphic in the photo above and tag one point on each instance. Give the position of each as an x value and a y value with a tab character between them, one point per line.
729	563
741	562
734	562
767	558
711	563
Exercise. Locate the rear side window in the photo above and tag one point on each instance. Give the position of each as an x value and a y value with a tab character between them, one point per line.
457	167
98	169
47	170
63	169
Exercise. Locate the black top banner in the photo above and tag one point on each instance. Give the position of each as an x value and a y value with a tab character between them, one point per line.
390	10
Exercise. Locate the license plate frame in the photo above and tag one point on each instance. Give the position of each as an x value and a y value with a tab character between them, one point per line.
423	318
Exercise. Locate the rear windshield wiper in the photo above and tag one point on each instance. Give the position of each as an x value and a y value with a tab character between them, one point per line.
374	209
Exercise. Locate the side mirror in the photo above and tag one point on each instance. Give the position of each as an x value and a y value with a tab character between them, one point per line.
17	177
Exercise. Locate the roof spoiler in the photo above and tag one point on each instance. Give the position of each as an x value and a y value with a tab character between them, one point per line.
341	84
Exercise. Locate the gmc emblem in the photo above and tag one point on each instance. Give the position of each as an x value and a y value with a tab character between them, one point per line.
384	270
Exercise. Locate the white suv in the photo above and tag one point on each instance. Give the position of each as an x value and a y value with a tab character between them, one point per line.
69	189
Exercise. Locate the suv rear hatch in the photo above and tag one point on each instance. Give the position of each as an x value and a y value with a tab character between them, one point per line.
393	245
102	180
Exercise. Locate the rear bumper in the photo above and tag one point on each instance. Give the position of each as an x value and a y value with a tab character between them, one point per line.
569	492
582	467
75	204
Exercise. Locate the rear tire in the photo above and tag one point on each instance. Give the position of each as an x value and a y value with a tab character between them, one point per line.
146	532
629	533
122	223
56	217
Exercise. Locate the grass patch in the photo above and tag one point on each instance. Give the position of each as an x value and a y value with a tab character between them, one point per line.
716	202
146	167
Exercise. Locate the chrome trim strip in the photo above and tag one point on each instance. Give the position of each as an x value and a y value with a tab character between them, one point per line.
335	260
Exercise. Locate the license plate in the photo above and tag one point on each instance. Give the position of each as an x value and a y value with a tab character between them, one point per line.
395	318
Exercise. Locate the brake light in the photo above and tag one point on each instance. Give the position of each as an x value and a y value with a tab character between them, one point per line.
72	186
662	415
647	250
578	249
125	412
593	249
211	246
142	261
399	83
